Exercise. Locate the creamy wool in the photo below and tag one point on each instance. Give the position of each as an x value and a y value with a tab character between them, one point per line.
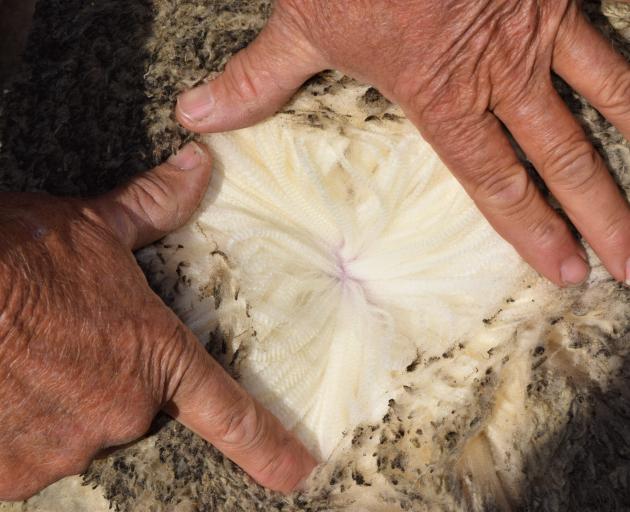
354	250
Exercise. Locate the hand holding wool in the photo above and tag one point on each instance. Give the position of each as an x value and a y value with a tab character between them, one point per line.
462	71
89	354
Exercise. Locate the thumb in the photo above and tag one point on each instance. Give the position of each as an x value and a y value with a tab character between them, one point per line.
159	201
256	82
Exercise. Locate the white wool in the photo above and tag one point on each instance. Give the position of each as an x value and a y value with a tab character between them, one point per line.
355	251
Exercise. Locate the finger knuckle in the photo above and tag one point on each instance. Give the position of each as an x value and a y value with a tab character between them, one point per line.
572	166
242	78
241	425
445	110
169	360
616	234
615	93
568	33
274	467
153	198
503	191
547	230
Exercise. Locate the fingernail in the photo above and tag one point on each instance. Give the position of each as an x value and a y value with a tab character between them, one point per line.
574	270
628	273
188	158
196	104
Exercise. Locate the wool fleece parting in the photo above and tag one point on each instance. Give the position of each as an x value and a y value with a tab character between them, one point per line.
351	250
341	274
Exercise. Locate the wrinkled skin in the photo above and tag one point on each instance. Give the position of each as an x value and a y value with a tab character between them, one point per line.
461	70
89	354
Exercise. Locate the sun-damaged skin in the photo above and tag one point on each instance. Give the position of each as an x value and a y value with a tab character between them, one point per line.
463	71
89	354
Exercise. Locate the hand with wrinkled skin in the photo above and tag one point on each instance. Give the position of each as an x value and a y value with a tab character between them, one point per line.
89	354
460	70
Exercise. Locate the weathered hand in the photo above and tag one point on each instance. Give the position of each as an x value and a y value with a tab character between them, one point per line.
89	354
459	69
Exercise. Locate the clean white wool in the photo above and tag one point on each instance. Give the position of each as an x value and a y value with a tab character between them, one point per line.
355	251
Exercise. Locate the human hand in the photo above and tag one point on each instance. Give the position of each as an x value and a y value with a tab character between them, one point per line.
89	354
459	69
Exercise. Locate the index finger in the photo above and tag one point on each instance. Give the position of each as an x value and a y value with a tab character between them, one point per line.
210	403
